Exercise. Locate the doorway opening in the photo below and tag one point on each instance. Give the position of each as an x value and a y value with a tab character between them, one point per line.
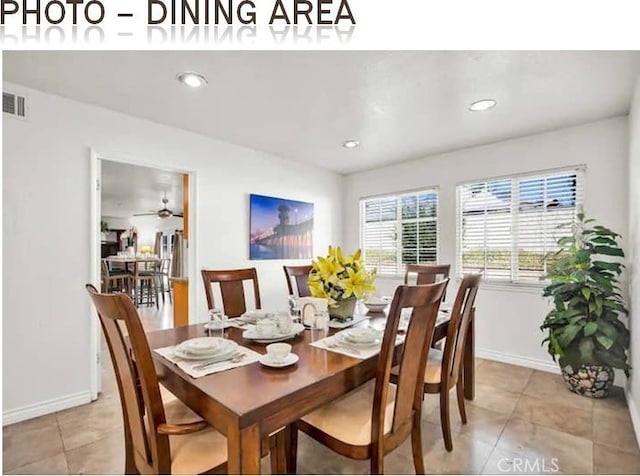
140	218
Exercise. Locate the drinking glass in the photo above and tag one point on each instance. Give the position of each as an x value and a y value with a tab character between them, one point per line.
294	309
319	325
216	323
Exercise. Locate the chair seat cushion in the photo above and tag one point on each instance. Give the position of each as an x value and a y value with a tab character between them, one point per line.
348	418
433	371
194	453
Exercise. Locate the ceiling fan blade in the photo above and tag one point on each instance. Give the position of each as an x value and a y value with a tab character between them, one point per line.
145	214
179	215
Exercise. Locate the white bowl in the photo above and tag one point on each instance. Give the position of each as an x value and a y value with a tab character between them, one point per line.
375	307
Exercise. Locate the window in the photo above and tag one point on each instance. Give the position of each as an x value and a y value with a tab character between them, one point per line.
507	225
398	230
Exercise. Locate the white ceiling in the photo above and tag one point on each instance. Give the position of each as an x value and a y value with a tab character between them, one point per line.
303	105
129	189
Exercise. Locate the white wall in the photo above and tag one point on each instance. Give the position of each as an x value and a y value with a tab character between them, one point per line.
116	223
633	256
46	231
508	318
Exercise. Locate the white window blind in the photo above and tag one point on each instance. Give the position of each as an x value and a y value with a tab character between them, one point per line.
398	230
507	225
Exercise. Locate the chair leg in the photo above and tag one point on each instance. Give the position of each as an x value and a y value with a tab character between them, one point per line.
460	394
291	435
154	282
129	462
377	462
416	443
445	419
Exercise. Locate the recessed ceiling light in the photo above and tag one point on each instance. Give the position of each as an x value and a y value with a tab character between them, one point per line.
193	80
351	144
482	105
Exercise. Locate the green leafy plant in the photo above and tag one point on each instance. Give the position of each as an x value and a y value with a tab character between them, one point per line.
584	326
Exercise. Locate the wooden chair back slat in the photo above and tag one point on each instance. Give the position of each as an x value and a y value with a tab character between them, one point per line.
231	289
151	451
463	309
301	276
425	301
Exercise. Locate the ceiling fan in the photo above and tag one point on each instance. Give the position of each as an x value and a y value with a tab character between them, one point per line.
164	212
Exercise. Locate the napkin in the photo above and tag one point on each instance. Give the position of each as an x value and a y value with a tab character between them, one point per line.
351	351
187	365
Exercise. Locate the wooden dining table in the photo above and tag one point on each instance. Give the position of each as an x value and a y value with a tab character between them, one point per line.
250	402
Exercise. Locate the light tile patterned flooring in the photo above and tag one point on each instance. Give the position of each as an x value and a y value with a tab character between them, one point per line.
521	421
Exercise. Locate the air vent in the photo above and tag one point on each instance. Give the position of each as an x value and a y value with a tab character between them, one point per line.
14	105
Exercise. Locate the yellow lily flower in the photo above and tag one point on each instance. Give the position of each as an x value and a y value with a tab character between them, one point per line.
336	276
358	283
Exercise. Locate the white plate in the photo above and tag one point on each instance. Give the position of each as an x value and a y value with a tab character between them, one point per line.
343	339
226	349
289	360
361	335
202	345
252	334
221	356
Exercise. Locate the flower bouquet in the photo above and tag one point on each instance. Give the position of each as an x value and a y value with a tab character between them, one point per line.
342	280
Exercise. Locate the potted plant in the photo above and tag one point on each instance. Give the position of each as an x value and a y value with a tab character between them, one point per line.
104	230
342	280
585	333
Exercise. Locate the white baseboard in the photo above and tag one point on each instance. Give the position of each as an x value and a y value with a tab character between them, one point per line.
537	364
44	408
635	416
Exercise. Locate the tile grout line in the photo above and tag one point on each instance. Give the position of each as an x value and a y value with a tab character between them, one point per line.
64	449
495	445
508	420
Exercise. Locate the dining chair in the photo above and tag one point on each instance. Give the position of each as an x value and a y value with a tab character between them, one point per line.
162	277
301	276
444	368
376	418
114	281
146	282
152	444
231	288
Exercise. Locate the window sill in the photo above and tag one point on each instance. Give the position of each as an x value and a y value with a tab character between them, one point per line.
531	288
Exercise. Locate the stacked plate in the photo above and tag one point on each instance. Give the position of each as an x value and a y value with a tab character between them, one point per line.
254	335
252	317
206	348
364	337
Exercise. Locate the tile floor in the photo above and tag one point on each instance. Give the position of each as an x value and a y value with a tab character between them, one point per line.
521	421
